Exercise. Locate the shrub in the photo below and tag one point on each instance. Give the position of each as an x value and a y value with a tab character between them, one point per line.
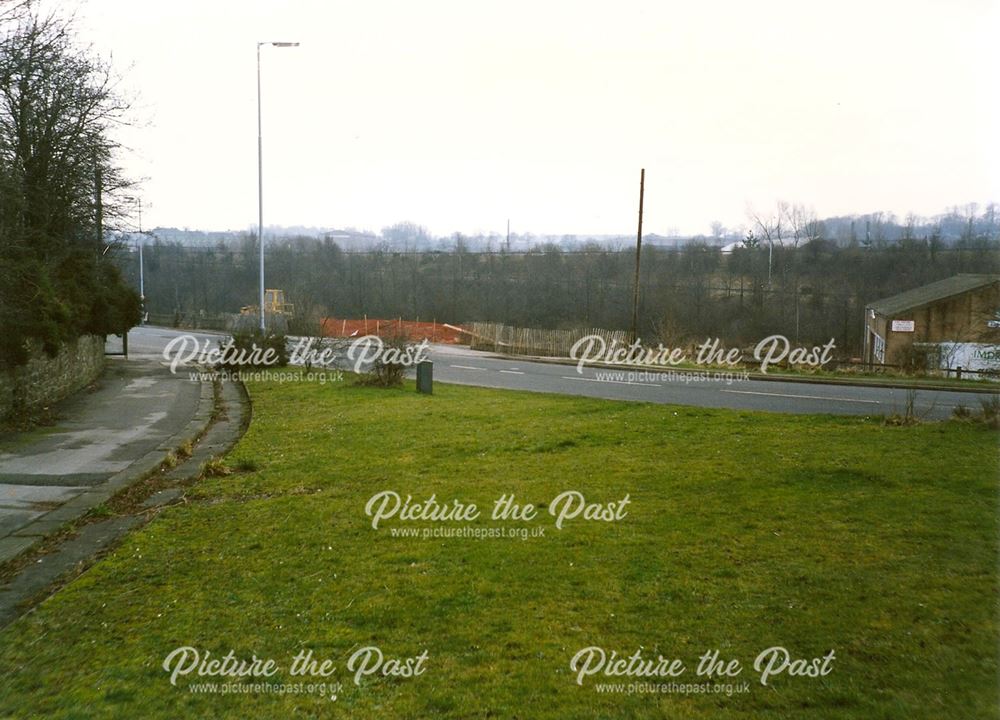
990	413
960	412
388	374
246	342
909	414
216	468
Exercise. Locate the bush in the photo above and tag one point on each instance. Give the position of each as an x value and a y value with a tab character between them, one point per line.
252	344
988	415
387	374
912	360
216	468
909	414
960	412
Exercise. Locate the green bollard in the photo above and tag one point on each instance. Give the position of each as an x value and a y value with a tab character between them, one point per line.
425	377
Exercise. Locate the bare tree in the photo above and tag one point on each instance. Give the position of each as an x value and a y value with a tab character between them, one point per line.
769	231
59	185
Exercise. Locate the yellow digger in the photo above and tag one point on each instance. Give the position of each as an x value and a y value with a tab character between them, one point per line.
274	304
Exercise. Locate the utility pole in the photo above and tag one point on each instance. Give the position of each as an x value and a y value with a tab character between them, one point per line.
770	252
260	195
98	203
142	285
142	288
508	234
638	252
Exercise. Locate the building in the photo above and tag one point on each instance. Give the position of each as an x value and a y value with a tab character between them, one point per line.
949	324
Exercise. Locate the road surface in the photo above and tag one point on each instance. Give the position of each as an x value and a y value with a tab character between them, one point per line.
455	364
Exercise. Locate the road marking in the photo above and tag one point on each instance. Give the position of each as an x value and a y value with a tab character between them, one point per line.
802	397
466	367
512	372
616	382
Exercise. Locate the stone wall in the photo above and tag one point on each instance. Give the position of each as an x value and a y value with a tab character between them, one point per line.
45	380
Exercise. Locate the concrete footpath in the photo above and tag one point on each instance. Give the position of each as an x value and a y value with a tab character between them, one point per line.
105	438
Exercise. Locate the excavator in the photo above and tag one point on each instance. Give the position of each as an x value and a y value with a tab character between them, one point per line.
274	304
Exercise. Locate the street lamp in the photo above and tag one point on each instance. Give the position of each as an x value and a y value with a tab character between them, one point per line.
260	178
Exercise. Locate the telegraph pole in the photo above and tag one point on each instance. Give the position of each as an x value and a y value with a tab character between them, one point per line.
98	203
142	284
638	252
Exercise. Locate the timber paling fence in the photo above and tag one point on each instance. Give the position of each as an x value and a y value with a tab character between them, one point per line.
497	337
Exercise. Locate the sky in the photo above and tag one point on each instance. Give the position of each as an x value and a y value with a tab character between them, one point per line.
461	115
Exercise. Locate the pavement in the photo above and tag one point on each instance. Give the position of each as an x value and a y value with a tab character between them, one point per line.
104	438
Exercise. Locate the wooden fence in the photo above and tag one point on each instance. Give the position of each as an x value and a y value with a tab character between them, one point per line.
496	337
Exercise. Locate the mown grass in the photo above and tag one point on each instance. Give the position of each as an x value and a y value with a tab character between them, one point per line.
745	531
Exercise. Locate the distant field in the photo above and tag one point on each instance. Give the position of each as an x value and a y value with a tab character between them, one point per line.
743	531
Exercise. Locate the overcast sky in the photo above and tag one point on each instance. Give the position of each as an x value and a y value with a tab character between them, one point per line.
459	115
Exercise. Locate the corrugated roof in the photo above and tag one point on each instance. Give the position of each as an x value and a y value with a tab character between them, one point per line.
926	294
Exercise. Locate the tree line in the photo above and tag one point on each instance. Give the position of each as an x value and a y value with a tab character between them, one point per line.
810	292
60	189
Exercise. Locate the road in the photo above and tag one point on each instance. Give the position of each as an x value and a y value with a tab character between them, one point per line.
459	365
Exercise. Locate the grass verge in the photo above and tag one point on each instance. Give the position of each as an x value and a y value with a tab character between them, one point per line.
744	531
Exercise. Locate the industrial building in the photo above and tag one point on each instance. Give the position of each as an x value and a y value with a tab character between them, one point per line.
951	324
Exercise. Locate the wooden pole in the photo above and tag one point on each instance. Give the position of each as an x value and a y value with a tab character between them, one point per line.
98	204
638	252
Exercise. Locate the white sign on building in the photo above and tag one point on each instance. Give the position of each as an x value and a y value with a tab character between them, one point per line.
902	326
969	356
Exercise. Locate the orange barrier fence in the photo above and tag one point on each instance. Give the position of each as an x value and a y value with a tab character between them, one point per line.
411	329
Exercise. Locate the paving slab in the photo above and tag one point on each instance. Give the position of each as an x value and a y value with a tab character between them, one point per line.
49	568
104	438
69	502
162	497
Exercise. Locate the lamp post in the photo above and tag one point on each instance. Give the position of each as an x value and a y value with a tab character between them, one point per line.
260	178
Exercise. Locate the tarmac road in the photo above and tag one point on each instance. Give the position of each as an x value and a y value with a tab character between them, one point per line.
456	364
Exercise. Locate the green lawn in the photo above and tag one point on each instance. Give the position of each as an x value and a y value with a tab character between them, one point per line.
744	531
